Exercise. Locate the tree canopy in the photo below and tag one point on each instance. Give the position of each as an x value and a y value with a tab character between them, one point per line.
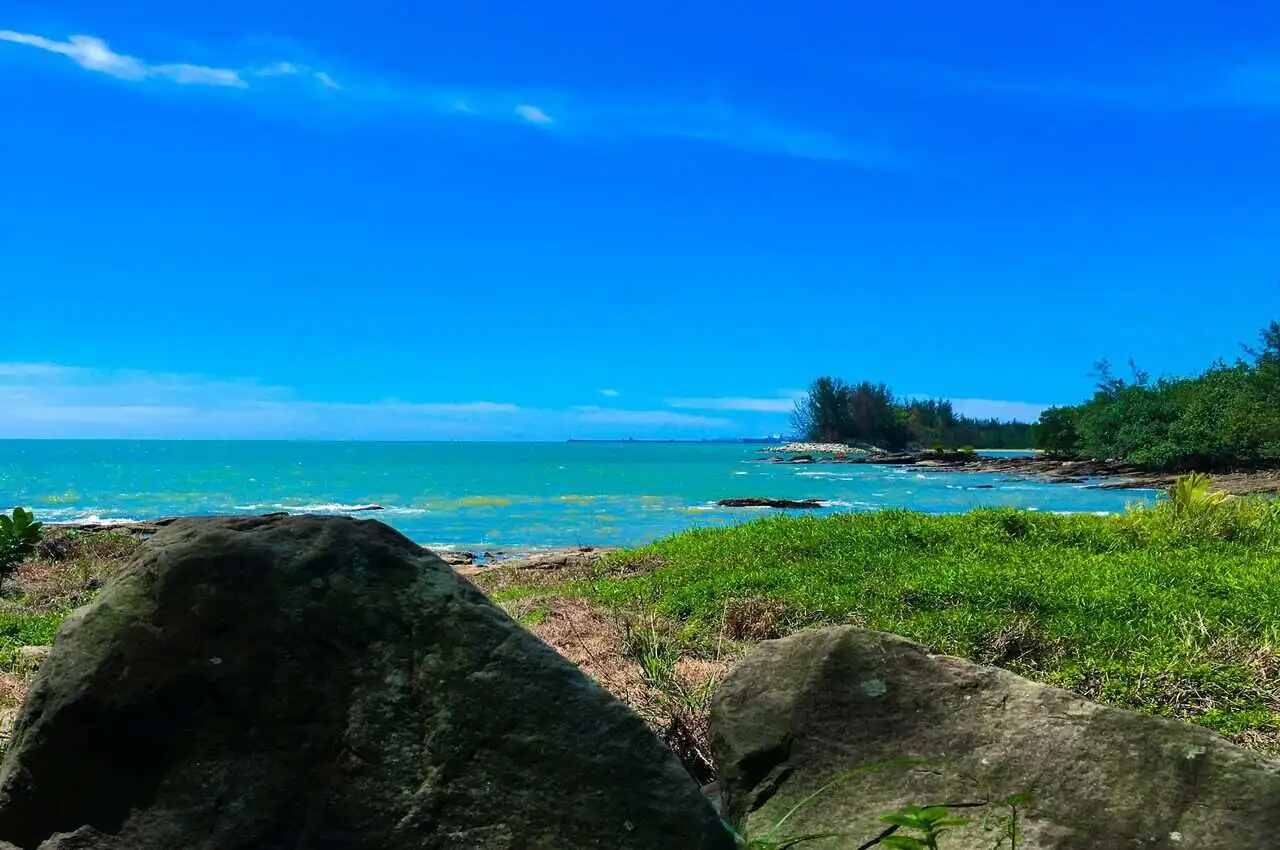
867	414
1226	417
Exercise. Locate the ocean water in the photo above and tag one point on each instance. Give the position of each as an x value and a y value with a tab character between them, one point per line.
486	496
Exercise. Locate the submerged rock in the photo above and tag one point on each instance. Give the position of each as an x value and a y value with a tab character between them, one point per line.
800	712
323	683
769	503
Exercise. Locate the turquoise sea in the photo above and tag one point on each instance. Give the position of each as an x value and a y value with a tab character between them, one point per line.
477	496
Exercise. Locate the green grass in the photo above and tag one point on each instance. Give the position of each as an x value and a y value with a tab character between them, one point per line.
1173	611
19	629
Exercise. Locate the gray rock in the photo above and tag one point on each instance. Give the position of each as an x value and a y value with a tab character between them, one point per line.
801	711
324	683
457	559
581	557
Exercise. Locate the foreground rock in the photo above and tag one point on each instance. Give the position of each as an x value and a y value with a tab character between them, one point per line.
311	682
801	711
799	504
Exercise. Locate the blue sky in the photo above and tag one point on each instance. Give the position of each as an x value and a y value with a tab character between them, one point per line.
512	220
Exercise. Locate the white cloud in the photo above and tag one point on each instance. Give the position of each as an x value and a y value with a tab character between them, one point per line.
569	115
1197	86
610	393
280	69
292	69
33	370
533	114
49	400
613	416
93	54
784	404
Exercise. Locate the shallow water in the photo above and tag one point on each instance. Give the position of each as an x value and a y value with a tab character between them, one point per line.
487	495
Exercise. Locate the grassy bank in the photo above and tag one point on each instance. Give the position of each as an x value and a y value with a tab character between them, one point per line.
1172	611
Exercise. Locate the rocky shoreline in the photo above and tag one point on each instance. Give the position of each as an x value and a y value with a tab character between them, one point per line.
1102	475
526	559
273	635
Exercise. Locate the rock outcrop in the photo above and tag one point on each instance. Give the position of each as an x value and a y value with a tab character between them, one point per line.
751	502
581	557
324	683
801	711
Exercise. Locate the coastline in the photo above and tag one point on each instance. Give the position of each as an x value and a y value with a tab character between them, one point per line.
1100	475
529	558
721	591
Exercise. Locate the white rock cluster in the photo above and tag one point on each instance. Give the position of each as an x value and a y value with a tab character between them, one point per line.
816	448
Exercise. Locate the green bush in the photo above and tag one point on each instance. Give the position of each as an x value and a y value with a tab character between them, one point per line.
1226	417
19	535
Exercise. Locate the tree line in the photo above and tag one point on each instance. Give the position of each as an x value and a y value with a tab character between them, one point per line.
867	414
1226	417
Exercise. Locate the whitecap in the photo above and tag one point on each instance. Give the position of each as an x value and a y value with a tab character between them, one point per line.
95	519
323	508
404	511
836	476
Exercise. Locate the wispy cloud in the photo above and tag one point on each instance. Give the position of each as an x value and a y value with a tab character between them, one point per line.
568	115
978	408
610	393
1252	84
293	69
783	404
93	54
593	415
49	400
533	114
1203	86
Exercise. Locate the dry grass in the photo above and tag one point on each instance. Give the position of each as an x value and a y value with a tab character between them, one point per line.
755	619
67	569
65	572
642	664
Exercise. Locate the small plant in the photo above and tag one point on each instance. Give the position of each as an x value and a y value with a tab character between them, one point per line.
1193	510
928	823
772	840
680	705
19	535
1191	495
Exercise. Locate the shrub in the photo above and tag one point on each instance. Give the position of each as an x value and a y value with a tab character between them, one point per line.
19	535
1225	417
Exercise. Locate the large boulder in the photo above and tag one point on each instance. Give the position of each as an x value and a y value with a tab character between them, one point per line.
324	683
800	712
